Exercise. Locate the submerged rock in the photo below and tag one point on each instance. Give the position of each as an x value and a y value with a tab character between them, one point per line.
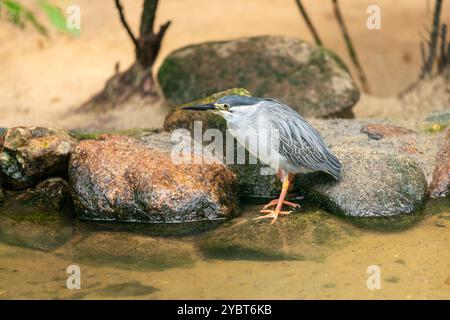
306	235
440	185
36	218
120	178
129	251
313	80
30	154
373	184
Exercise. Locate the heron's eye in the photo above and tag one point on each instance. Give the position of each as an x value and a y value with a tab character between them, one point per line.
226	106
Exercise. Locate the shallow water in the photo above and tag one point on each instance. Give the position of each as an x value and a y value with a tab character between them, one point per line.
414	264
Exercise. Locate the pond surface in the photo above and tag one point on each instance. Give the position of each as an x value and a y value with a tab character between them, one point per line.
414	264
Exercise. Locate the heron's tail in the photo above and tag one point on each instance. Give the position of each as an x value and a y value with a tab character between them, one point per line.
333	166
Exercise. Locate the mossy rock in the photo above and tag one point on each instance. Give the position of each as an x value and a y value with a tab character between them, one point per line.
311	79
148	229
133	252
306	235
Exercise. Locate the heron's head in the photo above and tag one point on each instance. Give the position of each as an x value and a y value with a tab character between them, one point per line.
229	106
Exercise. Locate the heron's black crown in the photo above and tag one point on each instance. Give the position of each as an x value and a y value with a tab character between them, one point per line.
238	100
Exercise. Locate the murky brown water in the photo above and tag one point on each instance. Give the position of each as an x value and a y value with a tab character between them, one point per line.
415	264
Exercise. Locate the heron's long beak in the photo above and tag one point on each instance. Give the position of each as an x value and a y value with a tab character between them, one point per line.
204	107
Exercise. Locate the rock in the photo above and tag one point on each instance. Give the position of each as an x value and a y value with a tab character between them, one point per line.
128	251
311	79
378	131
418	145
373	184
121	178
30	154
306	235
36	218
440	185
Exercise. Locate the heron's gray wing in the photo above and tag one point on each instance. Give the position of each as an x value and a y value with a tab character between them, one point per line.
299	142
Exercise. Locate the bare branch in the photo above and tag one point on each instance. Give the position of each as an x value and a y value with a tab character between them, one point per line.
125	24
163	29
309	23
423	55
148	17
428	68
443	58
350	48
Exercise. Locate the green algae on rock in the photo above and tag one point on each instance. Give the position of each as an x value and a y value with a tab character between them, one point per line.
306	235
30	154
313	80
37	218
129	251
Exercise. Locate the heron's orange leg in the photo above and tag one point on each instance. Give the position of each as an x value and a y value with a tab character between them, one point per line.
280	201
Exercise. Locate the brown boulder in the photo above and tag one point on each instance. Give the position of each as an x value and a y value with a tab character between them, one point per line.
120	178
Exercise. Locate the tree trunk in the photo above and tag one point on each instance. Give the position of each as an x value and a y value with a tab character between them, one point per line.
137	81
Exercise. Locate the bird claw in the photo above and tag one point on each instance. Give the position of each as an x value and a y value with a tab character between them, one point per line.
275	202
272	214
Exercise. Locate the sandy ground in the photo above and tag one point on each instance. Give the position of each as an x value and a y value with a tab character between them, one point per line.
41	79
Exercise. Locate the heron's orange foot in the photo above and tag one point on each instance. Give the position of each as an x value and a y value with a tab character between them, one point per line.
275	202
272	214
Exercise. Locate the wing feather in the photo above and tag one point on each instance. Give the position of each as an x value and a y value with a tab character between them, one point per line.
299	142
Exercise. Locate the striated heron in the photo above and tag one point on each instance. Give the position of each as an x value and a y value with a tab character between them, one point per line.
297	147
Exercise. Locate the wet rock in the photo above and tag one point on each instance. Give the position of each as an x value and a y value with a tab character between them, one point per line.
378	131
309	235
128	251
419	146
37	218
440	185
311	79
373	184
120	178
30	154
